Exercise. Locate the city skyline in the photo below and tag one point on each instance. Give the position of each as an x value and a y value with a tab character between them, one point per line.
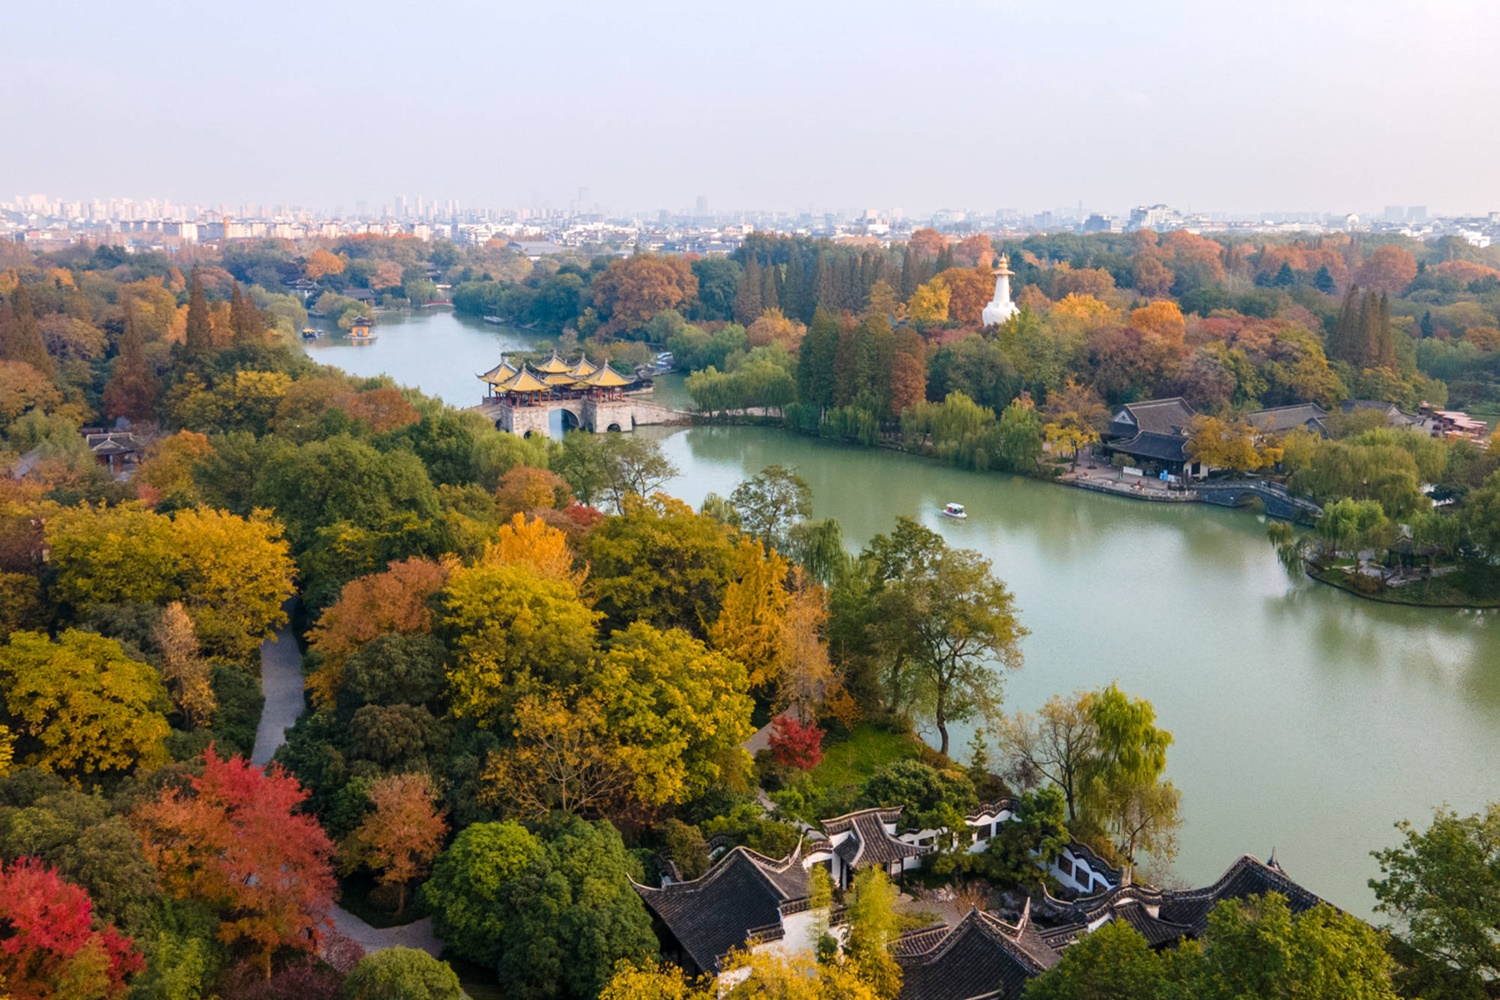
968	105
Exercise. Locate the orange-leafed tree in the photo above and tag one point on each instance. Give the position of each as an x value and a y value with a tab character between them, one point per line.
53	949
401	836
396	600
1153	279
975	251
927	242
1095	281
1161	322
169	465
387	275
321	263
526	488
969	290
908	371
383	410
534	544
237	842
632	290
1388	269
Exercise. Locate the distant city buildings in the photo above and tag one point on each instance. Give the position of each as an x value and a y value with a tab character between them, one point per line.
160	224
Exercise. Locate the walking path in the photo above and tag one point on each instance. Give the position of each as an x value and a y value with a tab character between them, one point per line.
281	683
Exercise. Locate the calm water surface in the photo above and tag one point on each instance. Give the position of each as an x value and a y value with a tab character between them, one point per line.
1306	720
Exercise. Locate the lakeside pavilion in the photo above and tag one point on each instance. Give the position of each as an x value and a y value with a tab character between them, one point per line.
552	380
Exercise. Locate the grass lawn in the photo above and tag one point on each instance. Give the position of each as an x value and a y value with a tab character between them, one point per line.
847	764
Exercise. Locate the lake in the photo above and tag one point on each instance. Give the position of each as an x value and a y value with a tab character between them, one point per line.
1306	720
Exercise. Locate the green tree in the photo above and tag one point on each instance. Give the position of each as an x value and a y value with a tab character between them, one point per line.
945	624
660	562
80	706
402	974
20	335
1442	886
571	916
469	881
1256	948
873	926
1124	790
1111	963
772	503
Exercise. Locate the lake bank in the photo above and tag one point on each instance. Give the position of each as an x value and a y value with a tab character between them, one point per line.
1304	721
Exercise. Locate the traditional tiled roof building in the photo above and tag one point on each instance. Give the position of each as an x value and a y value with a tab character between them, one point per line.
746	899
978	958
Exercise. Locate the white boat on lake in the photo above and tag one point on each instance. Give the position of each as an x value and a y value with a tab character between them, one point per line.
955	511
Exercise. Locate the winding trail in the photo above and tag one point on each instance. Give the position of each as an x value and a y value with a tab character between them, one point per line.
281	683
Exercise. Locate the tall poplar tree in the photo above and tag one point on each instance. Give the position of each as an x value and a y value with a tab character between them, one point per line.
199	328
747	301
20	336
132	389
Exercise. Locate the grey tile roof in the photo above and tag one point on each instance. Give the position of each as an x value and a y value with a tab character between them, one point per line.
1247	877
980	957
714	914
871	844
1276	419
1159	416
1148	444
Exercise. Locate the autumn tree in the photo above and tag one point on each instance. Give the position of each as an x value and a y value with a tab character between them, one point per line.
80	706
1059	744
927	242
402	834
945	623
199	332
168	467
236	573
534	544
132	389
975	251
236	841
969	291
562	758
634	289
908	371
526	488
20	333
1388	270
399	600
320	264
929	304
1223	444
1075	417
54	947
679	710
183	668
513	629
749	626
806	678
794	743
112	555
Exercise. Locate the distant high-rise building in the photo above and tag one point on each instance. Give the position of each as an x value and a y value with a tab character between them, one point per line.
701	210
1417	213
1393	213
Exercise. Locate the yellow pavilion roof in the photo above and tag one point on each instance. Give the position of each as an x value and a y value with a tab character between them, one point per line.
522	381
560	378
583	369
606	378
499	373
553	366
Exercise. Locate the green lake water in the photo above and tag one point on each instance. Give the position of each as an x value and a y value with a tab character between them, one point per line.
1306	720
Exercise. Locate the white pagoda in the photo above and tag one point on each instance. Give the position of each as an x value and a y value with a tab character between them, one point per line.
1001	308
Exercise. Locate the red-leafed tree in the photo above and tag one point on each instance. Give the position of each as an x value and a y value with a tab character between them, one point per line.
236	842
795	743
50	946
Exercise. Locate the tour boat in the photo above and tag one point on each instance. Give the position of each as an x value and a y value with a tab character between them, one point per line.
308	333
955	511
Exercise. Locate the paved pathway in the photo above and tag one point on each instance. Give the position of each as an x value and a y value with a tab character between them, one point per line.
281	683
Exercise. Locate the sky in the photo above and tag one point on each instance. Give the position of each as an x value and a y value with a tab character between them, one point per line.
1208	105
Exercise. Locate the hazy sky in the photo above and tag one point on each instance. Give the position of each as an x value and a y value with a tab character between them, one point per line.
1205	104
